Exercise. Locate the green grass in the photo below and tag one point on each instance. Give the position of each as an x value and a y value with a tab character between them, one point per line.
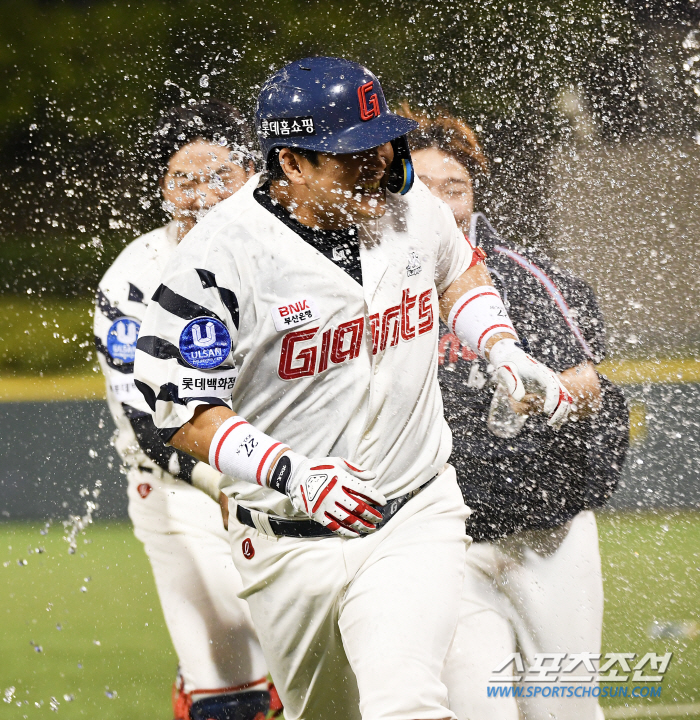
45	335
651	569
651	564
112	637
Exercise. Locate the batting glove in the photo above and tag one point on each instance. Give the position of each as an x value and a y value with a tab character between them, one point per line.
335	494
520	373
328	490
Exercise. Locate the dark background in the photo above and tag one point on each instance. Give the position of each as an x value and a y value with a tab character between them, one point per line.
81	84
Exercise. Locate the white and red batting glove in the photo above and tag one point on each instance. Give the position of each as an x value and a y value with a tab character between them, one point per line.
328	490
335	494
479	315
521	373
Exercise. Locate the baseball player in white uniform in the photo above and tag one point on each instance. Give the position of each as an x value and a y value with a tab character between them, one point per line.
533	580
316	291
200	157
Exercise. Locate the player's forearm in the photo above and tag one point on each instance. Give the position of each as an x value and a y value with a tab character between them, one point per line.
156	450
239	450
195	436
476	277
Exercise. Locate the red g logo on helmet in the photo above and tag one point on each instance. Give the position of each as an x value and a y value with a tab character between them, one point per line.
369	104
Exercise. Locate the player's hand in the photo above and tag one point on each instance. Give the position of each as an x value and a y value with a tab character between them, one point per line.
521	373
336	494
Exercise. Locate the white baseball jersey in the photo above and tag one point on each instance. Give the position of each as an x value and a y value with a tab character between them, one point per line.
180	527
316	360
122	297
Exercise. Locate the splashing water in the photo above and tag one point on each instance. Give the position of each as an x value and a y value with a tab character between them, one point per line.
76	524
692	67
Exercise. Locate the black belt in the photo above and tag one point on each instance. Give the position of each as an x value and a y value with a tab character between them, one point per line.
310	528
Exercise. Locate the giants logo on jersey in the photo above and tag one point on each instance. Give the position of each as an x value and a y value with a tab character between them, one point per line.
450	350
345	341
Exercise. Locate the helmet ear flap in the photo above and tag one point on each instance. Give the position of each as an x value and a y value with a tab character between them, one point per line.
401	173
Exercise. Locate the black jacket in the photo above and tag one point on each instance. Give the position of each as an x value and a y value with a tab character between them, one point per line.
540	478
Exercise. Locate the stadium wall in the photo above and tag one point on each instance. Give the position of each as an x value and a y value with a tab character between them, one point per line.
56	453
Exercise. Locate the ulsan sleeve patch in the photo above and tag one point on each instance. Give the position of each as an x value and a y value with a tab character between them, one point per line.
121	339
205	343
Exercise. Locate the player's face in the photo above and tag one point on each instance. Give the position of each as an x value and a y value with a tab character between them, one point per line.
347	189
447	179
200	175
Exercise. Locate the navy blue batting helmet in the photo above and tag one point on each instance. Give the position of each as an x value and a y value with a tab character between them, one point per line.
331	105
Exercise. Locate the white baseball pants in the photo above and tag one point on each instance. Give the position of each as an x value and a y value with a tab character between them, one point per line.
536	591
360	627
197	583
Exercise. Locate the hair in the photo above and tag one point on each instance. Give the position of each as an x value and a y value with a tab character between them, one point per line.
449	134
209	119
274	168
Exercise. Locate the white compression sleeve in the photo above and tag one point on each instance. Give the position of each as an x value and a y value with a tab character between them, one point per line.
242	451
478	315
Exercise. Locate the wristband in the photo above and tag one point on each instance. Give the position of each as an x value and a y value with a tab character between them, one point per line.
242	451
478	315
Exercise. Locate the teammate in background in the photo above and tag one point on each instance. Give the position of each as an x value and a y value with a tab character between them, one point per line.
317	288
201	155
533	582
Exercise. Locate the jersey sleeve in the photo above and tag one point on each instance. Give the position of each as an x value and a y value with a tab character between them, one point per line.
179	464
119	310
454	251
183	356
579	309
